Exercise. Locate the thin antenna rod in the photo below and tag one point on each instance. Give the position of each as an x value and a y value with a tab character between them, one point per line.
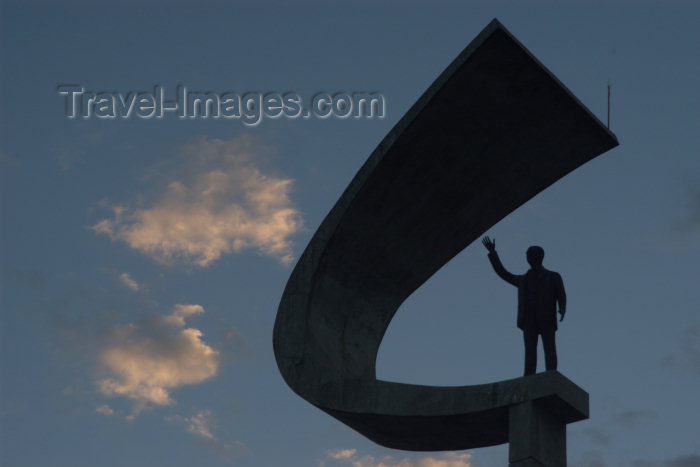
608	104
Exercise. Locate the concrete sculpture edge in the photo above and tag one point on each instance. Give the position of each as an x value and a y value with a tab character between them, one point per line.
493	130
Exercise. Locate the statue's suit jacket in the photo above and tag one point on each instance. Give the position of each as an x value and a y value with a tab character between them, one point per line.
538	293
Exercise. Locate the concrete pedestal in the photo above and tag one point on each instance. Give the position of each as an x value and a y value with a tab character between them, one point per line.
537	437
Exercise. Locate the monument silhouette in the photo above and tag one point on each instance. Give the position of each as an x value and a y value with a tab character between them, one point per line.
493	130
539	292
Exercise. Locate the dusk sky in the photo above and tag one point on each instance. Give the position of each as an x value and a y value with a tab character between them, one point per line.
142	259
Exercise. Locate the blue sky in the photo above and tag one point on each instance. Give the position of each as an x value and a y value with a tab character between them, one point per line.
143	260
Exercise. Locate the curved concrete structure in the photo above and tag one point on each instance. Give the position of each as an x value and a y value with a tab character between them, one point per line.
492	131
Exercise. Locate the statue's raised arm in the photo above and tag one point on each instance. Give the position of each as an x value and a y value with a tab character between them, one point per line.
496	262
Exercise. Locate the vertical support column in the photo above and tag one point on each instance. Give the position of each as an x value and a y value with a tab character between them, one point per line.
537	438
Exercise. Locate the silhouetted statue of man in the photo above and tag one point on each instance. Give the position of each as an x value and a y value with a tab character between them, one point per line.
539	290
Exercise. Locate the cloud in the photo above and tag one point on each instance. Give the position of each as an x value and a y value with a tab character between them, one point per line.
127	281
219	203
202	426
688	359
598	435
633	418
146	360
342	454
350	457
180	312
105	410
692	460
590	459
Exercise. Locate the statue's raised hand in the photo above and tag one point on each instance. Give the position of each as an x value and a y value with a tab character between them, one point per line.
489	244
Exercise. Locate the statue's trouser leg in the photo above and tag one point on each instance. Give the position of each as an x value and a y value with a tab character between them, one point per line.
550	349
530	338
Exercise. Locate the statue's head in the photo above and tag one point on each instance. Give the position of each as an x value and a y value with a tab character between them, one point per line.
535	255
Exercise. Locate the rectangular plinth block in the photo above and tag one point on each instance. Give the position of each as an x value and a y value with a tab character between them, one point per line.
537	436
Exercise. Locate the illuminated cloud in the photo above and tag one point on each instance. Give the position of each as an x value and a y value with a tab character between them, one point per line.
180	312
127	281
144	361
220	203
105	410
342	454
202	426
350	457
199	424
